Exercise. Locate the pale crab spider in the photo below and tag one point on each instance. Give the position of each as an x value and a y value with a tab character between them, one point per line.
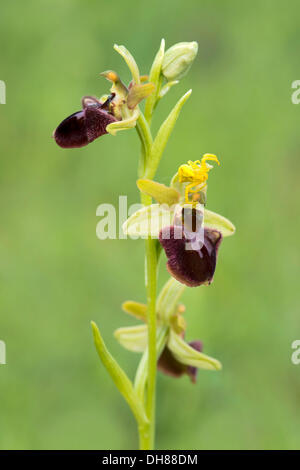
195	173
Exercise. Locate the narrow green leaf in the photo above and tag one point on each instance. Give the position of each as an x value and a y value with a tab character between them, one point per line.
119	377
154	77
185	354
163	136
218	222
133	338
135	309
160	192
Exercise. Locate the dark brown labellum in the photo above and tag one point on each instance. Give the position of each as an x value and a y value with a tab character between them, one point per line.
192	267
82	127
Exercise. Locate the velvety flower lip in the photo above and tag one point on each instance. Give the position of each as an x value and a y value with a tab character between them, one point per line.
191	267
169	365
83	127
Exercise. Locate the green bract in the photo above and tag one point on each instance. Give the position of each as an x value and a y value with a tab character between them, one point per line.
133	338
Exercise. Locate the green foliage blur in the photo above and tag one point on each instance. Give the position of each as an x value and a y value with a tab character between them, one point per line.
56	275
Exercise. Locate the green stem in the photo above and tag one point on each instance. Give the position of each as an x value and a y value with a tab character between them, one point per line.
144	438
151	281
148	432
151	154
142	371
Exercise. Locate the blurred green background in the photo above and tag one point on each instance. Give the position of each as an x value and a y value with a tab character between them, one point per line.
56	275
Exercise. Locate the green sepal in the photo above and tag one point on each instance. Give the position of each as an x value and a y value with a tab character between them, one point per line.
160	192
187	355
133	338
215	221
132	65
148	221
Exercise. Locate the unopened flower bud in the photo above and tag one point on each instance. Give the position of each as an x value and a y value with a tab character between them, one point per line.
178	59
